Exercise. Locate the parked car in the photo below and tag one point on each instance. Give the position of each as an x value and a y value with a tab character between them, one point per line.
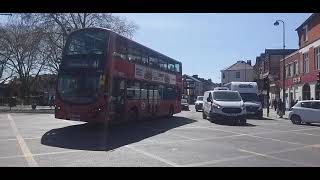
184	104
220	88
224	105
199	103
307	111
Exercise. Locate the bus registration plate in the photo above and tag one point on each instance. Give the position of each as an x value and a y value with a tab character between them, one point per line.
75	117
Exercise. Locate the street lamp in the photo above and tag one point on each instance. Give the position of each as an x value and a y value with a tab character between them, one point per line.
283	67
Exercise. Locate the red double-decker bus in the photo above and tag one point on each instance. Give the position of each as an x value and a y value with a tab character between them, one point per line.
105	77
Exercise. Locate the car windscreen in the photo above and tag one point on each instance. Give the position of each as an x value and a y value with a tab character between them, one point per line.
226	96
251	97
200	98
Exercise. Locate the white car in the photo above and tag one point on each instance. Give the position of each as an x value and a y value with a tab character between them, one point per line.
224	105
307	111
199	103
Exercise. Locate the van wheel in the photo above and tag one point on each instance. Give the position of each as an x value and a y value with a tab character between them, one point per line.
204	116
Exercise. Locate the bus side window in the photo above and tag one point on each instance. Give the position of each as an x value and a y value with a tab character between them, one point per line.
121	49
134	54
171	66
153	62
163	64
177	67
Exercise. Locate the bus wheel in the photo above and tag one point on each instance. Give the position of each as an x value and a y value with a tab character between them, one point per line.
133	115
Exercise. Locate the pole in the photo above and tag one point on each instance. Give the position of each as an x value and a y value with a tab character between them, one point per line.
284	69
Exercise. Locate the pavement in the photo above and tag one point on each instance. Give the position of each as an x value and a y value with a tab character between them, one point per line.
26	109
273	114
186	140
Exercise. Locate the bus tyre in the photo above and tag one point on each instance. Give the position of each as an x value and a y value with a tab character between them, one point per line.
204	116
243	122
133	115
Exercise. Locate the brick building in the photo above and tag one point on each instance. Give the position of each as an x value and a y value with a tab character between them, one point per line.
303	65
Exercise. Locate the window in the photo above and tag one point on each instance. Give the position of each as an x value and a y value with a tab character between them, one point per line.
134	54
306	104
133	90
296	67
121	49
171	66
153	62
305	63
223	75
210	96
237	74
163	64
305	33
178	67
289	70
317	57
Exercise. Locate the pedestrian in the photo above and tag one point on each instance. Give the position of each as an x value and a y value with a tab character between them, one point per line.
280	108
51	102
275	103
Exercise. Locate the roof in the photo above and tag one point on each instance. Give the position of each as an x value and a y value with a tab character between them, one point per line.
190	77
279	51
309	101
308	20
106	29
240	65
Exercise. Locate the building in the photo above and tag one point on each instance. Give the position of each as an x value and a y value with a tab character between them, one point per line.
303	65
194	86
241	71
267	66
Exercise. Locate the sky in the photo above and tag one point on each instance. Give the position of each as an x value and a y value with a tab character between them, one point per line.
208	43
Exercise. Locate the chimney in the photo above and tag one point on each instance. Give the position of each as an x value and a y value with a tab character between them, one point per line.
249	62
195	76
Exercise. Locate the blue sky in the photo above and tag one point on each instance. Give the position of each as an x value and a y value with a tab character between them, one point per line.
207	43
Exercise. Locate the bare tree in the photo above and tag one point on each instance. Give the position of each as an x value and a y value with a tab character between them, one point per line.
23	48
58	25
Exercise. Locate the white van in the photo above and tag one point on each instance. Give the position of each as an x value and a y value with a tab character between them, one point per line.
249	94
224	105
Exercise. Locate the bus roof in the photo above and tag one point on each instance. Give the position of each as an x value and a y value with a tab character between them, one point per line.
235	83
149	49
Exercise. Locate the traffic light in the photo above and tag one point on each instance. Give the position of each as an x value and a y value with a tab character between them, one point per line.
318	80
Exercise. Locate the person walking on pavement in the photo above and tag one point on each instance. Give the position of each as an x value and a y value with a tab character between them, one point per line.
275	104
280	108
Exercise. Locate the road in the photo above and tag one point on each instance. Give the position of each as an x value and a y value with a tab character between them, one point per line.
182	141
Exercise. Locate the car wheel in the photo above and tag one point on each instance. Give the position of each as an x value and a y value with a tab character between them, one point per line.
295	119
204	116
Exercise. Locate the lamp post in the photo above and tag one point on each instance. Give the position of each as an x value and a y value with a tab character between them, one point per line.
283	67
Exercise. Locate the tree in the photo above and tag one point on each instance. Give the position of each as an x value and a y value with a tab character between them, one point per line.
23	50
58	25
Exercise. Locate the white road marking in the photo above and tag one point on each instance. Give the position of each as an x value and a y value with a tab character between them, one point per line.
153	156
217	161
30	138
25	150
276	158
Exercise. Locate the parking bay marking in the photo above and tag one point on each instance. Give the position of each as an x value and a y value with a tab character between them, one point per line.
23	146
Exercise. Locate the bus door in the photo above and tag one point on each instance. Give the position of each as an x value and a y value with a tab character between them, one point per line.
118	97
153	99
